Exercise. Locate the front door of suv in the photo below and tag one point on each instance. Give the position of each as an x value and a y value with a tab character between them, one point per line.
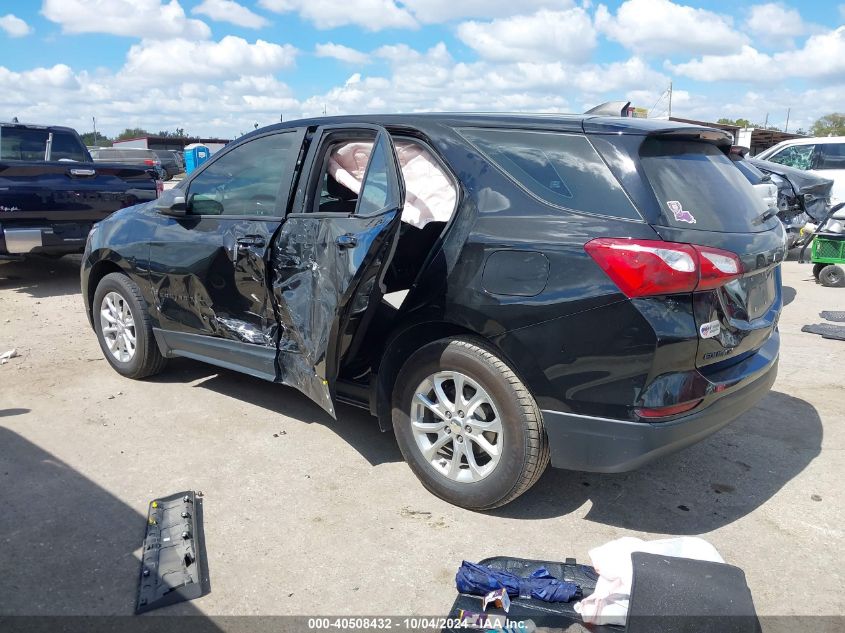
331	254
209	268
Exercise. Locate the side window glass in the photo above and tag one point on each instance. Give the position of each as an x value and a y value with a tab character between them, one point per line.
831	156
797	156
340	182
375	191
244	181
561	169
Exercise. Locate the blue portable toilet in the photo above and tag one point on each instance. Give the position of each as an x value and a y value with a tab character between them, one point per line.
195	155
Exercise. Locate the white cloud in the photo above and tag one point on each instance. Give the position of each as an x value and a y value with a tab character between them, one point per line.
822	56
149	19
747	65
435	11
231	12
153	61
546	35
775	20
372	15
341	53
14	26
661	27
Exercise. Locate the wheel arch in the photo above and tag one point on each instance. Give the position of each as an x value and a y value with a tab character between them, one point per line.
405	340
99	270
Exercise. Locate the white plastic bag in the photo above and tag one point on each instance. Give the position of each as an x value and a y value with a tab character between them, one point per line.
609	602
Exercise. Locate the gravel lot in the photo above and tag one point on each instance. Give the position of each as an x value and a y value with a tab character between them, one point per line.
296	502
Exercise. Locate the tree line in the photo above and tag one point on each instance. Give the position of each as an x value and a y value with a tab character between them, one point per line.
829	125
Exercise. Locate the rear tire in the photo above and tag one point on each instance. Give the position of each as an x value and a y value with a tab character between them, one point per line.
123	327
500	414
832	276
817	268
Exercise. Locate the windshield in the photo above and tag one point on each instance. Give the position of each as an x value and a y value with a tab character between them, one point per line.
698	187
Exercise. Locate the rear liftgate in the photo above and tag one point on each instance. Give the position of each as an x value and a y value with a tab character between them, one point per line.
171	569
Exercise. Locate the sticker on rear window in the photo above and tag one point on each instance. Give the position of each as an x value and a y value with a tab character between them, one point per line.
709	330
678	211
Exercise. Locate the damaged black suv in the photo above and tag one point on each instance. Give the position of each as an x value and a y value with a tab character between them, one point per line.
500	290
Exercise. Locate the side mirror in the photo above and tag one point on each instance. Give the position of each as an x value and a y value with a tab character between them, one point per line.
173	205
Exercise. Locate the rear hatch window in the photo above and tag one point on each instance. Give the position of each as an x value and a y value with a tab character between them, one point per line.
698	187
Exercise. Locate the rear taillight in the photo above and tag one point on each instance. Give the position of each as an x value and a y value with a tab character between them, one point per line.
717	267
642	268
149	161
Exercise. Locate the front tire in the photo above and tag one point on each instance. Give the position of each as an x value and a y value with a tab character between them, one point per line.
467	426
832	276
124	329
817	268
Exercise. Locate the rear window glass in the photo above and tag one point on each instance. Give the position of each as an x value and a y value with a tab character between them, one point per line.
561	169
697	186
22	144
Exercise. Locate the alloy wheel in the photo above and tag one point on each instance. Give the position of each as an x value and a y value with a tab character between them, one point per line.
456	426
118	327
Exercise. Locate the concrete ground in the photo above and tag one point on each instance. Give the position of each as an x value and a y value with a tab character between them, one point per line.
305	515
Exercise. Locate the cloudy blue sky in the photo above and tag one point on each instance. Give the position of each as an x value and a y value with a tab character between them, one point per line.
219	66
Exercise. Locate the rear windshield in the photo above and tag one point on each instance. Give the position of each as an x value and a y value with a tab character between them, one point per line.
22	143
698	187
561	169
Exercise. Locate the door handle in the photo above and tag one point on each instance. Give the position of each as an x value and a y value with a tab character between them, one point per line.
82	172
347	240
247	241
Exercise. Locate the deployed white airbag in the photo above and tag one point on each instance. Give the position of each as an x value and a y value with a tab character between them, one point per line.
430	195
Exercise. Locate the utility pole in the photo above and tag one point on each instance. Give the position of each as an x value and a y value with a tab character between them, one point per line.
766	122
94	119
670	99
786	127
324	109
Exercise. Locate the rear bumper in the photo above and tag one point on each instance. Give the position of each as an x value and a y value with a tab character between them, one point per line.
579	442
49	238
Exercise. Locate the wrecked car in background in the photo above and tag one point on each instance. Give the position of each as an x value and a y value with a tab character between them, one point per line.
502	291
802	197
798	197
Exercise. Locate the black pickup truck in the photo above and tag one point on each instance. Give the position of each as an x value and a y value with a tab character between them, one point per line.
52	193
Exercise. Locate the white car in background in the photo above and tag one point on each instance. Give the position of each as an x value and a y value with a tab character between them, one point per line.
823	156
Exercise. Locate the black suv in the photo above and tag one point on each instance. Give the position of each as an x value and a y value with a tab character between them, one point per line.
169	163
500	290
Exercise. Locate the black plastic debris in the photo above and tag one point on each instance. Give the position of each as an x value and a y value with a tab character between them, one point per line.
171	569
832	315
826	330
675	595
